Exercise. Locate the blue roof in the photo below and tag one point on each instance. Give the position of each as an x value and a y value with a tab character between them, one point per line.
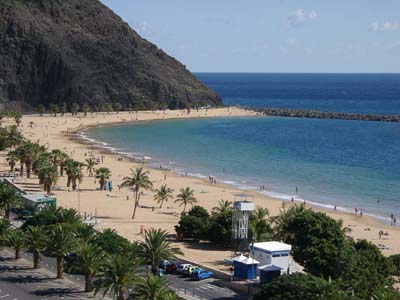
270	268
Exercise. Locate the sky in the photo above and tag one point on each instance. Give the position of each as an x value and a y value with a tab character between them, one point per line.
328	36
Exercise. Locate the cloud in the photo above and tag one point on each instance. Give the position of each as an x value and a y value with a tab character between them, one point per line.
299	16
384	26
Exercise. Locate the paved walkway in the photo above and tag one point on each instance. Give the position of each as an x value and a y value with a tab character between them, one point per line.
18	281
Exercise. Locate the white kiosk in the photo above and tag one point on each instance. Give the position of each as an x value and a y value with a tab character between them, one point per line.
273	253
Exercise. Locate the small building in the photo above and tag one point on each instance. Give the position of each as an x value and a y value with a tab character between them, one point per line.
36	202
273	253
269	272
245	267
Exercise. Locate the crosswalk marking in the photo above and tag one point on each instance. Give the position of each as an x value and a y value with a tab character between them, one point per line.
4	296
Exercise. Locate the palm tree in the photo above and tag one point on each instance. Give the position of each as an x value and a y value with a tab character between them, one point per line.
85	232
90	166
30	153
151	288
283	219
103	174
41	109
118	275
20	153
85	109
88	261
224	208
48	176
156	248
16	240
61	241
63	158
63	108
13	136
74	173
164	193
54	109
12	160
35	241
4	228
8	199
258	225
185	197
55	156
139	180
74	109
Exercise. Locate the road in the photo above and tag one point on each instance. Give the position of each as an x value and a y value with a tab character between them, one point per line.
18	281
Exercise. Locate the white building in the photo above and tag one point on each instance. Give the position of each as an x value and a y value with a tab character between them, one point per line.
272	253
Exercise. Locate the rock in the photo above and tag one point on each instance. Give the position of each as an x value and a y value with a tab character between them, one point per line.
78	51
316	114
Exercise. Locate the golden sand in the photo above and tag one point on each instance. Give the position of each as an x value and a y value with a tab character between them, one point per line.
114	209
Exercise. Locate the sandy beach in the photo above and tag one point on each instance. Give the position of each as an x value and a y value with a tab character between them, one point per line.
114	209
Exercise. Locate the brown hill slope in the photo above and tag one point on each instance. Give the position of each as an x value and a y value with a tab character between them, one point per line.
78	51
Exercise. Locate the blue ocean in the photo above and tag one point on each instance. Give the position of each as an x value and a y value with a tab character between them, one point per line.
331	162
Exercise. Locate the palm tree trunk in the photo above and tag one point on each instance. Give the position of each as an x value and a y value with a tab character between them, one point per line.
184	208
21	170
17	253
7	213
61	169
37	260
154	270
69	181
134	210
88	282
162	202
60	267
136	202
121	294
48	189
28	170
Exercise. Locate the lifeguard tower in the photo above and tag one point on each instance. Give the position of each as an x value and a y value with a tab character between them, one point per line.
242	209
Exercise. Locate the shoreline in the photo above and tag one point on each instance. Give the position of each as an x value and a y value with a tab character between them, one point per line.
114	208
148	160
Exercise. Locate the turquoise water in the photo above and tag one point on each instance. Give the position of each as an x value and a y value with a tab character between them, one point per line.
332	162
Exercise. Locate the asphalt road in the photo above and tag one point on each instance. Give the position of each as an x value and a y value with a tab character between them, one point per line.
24	283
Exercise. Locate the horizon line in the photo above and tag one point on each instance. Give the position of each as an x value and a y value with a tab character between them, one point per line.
247	72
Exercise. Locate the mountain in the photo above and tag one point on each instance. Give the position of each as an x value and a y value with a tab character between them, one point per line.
74	51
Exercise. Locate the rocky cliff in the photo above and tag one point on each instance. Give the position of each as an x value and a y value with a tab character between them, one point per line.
74	51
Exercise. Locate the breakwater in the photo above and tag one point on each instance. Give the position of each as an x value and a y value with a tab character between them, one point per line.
316	114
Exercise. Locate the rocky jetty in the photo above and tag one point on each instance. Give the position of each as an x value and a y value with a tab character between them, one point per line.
316	114
74	51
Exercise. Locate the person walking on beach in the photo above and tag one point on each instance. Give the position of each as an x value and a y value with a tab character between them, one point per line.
292	200
391	219
297	189
334	209
394	221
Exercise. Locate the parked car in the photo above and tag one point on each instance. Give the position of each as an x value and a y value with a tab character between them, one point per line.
188	272
182	268
171	268
200	274
163	265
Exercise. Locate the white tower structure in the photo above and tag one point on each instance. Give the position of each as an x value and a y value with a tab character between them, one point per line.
240	220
